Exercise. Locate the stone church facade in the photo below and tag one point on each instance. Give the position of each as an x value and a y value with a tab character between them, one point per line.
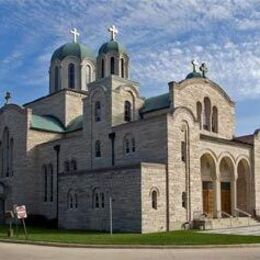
93	142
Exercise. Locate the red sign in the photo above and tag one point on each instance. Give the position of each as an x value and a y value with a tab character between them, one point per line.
21	212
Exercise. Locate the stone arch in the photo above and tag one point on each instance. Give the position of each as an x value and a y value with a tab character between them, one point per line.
179	111
243	185
210	153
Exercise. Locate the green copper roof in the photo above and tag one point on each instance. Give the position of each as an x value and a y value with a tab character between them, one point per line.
52	124
73	49
156	103
193	74
47	123
111	46
75	124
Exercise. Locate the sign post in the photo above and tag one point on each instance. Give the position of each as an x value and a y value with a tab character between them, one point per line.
111	215
22	214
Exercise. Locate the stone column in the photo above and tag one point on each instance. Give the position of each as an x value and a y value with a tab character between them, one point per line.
233	197
218	198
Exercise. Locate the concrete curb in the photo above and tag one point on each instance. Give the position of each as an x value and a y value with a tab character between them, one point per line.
68	245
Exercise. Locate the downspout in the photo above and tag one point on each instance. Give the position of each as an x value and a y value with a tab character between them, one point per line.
112	138
167	182
57	150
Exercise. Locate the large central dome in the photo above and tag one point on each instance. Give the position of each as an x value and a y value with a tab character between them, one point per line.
73	49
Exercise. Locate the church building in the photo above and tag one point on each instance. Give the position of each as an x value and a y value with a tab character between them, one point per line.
94	151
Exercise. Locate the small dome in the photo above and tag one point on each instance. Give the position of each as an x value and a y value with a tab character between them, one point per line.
73	49
110	47
194	74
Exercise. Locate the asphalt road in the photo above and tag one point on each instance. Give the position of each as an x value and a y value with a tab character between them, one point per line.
32	252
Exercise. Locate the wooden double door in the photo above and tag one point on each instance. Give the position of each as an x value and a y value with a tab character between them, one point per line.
226	197
208	198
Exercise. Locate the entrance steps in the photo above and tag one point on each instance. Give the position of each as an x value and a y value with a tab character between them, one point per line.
217	223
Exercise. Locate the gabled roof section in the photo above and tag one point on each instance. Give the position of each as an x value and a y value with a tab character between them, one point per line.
156	103
48	123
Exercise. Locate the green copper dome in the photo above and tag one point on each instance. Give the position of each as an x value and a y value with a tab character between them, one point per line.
194	74
110	47
73	49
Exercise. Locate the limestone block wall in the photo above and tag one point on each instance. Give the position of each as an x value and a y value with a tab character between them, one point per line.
71	148
189	92
184	176
65	105
150	141
124	185
15	119
153	179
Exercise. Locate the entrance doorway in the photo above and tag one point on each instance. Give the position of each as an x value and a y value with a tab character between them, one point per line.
226	197
208	198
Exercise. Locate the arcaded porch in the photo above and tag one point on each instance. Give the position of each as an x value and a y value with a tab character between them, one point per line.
226	186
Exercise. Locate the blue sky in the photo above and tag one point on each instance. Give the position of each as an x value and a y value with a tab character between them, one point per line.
161	38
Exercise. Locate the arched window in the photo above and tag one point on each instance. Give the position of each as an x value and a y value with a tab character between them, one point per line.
122	67
127	111
73	165
56	78
207	112
51	177
102	68
71	75
97	111
133	144
127	146
72	199
88	76
98	149
102	200
214	120
66	166
98	198
154	199
45	176
199	111
112	65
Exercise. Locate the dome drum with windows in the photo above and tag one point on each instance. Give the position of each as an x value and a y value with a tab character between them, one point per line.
74	65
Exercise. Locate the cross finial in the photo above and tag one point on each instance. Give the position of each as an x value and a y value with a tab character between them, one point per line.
113	30
203	69
75	34
7	97
194	64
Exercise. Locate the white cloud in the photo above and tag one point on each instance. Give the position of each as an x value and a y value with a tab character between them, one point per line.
162	37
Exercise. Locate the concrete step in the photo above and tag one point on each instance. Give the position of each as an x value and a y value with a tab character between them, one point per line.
230	222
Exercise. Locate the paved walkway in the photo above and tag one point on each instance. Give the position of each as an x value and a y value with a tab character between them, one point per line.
251	230
32	252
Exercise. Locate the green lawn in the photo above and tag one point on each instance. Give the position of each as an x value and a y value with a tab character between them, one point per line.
95	238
